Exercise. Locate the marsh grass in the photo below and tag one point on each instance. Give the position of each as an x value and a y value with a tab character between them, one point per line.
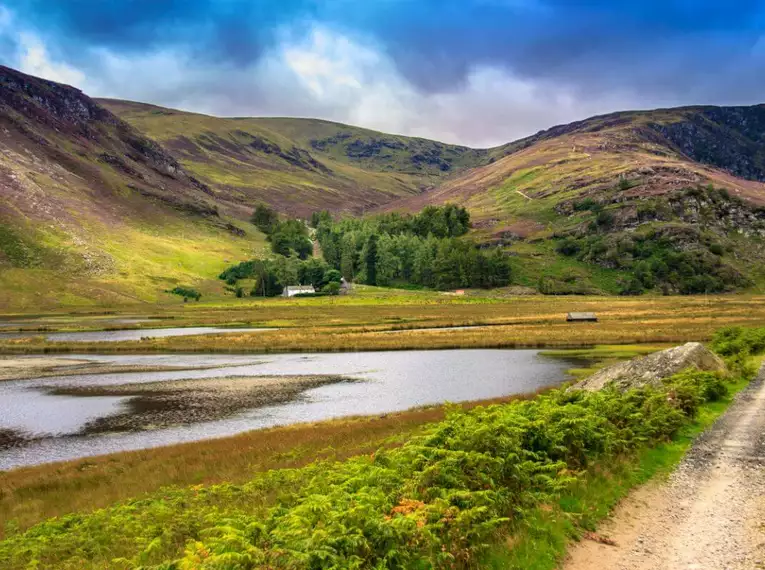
360	323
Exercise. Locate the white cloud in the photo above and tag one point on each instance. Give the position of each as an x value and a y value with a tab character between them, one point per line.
324	74
30	55
352	80
327	62
34	60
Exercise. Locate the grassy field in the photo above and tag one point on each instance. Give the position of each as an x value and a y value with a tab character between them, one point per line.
379	319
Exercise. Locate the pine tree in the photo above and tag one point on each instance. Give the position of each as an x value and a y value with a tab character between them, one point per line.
370	259
348	258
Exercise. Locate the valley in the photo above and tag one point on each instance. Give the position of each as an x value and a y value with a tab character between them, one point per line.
90	183
365	320
168	403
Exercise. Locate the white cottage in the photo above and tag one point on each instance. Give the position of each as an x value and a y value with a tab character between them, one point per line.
292	290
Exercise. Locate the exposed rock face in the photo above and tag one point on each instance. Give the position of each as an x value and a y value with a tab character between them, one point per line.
652	369
63	126
730	138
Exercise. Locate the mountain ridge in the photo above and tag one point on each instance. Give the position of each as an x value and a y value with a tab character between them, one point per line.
299	165
84	181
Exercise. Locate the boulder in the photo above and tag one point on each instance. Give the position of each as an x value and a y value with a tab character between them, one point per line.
652	369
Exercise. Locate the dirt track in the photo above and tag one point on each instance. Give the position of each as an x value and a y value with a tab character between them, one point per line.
710	515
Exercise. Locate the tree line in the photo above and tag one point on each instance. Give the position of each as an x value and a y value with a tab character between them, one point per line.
425	249
287	237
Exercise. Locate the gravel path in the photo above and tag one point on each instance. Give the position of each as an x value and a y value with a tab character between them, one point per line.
710	515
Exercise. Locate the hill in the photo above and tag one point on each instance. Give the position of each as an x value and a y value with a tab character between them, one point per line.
115	201
298	165
92	211
619	179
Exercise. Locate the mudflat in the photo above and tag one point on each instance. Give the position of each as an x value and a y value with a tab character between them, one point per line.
157	405
20	368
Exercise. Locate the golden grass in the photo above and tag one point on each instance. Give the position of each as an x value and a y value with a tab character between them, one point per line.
360	323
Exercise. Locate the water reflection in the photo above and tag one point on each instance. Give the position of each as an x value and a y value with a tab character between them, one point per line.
392	381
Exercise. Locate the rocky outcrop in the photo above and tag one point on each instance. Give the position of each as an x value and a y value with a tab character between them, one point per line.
652	369
72	130
730	138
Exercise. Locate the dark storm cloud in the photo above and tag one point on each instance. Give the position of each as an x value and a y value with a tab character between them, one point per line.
434	42
548	60
235	30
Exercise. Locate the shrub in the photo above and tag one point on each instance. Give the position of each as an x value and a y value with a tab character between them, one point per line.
738	341
587	204
657	260
264	218
332	288
318	218
691	388
187	293
632	286
568	247
605	219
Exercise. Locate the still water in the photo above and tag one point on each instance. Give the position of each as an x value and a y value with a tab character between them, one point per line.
129	334
387	382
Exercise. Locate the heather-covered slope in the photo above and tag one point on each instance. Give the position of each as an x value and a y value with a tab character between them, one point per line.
621	178
112	201
298	165
93	211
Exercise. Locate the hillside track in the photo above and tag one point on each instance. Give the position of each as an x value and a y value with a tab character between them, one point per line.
710	515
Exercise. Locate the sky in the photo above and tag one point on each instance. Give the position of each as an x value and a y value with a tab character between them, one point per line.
473	72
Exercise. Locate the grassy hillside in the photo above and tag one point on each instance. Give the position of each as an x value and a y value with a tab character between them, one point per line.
643	169
92	211
297	165
111	201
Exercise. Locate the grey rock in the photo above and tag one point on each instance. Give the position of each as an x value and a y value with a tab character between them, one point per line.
652	369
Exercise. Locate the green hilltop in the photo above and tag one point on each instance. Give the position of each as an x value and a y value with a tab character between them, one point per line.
299	165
